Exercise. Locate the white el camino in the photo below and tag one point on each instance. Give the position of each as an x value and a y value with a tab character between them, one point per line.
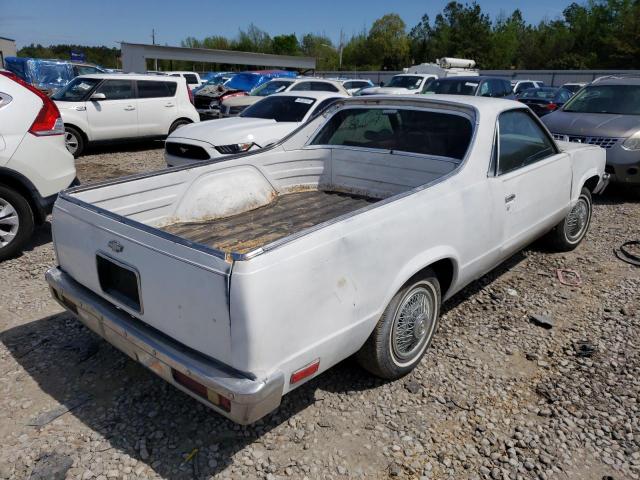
237	281
261	124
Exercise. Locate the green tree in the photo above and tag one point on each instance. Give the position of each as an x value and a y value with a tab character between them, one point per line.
388	42
285	45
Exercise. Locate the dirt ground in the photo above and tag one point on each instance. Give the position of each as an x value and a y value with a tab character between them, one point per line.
497	396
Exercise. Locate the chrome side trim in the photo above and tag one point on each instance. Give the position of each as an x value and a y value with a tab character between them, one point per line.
251	397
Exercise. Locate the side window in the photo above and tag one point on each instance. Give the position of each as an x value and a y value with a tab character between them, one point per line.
348	85
522	141
323	87
484	90
191	78
156	89
116	89
301	87
506	88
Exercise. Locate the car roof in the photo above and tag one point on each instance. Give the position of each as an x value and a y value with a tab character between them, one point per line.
129	76
471	78
618	80
311	94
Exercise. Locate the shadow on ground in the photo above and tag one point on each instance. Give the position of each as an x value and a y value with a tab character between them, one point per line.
126	146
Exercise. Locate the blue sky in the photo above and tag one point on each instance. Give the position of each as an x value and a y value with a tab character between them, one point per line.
105	22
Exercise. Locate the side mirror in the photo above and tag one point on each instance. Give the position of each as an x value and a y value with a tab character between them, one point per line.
97	97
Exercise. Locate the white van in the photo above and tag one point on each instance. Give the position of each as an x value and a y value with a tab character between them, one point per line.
98	108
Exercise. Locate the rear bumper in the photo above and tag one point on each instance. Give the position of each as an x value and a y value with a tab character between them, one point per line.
249	398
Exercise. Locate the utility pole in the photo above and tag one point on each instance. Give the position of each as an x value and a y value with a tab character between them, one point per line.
153	42
341	47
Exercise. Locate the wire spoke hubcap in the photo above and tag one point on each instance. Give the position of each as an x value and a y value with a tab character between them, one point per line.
413	323
577	221
9	223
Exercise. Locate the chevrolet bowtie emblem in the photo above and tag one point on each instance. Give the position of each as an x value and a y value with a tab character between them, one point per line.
115	246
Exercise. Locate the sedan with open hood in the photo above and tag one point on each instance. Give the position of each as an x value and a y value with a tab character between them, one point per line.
260	125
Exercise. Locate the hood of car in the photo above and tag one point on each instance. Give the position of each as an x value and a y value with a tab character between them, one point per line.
386	91
592	124
227	131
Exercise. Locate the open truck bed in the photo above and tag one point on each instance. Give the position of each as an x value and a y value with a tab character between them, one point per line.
284	216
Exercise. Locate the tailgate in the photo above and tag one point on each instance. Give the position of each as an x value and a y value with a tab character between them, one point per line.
171	286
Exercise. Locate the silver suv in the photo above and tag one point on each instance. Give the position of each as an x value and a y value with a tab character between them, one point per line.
605	113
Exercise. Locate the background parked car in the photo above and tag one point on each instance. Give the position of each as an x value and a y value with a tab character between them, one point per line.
480	86
262	124
573	87
215	78
233	106
353	85
192	78
208	99
122	107
605	113
518	86
544	100
405	83
34	163
48	75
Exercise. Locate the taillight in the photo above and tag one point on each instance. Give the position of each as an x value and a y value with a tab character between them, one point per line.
48	120
551	106
201	390
190	95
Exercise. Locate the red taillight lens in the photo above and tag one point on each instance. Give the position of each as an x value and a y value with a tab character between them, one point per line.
551	106
190	95
48	120
201	390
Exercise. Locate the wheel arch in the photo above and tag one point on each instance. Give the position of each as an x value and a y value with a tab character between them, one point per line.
80	131
24	187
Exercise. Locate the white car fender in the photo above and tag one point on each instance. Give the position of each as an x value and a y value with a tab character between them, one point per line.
75	114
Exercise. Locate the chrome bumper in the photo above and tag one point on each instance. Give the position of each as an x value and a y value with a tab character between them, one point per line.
250	399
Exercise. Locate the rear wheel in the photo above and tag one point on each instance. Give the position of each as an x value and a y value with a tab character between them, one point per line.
74	141
177	124
16	222
568	234
405	330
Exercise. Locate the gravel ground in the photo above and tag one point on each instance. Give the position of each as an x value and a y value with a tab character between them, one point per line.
497	396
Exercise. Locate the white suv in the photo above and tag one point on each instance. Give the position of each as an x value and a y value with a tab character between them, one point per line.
111	107
34	163
192	78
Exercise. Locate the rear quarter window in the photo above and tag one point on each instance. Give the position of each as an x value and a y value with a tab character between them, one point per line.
156	89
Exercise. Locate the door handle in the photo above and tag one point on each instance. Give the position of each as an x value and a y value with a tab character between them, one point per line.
80	108
129	108
510	198
169	104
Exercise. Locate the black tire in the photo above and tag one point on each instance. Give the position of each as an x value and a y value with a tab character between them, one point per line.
74	141
568	234
14	237
177	124
382	354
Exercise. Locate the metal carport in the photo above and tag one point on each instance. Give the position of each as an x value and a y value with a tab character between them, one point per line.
134	57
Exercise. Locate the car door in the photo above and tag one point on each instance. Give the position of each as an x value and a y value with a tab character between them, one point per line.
157	106
531	181
114	116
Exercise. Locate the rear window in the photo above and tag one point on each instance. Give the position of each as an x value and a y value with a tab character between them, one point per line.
415	131
191	78
453	87
156	89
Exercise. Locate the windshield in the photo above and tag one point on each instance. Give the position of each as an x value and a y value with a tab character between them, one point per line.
269	88
76	90
280	109
453	87
405	81
243	81
612	99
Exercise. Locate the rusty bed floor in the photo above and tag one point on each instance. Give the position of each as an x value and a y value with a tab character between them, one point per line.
286	215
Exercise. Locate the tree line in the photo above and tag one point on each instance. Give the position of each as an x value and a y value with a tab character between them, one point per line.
598	34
